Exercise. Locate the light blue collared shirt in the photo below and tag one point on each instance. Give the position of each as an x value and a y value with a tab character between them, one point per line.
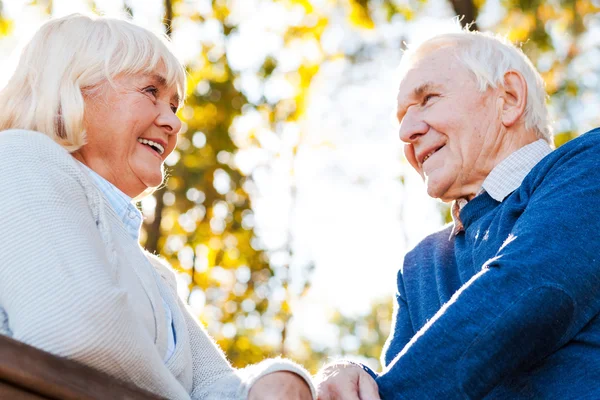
132	219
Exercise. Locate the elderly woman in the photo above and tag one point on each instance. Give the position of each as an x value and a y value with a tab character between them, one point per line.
86	123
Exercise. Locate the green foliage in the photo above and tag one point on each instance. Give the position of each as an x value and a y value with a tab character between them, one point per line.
206	228
360	336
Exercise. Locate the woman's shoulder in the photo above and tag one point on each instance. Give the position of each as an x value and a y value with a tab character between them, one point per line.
27	151
34	162
25	137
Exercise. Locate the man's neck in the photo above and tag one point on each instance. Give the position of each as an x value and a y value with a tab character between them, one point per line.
513	140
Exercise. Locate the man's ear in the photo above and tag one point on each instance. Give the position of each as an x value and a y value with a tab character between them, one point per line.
514	94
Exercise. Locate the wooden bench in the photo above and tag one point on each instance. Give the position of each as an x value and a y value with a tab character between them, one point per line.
27	373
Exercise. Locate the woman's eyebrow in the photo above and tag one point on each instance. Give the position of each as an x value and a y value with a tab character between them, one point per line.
159	79
162	81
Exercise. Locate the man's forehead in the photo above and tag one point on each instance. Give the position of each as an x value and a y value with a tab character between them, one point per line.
429	72
414	87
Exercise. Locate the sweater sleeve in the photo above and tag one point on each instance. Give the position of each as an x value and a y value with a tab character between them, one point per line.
402	330
535	295
57	286
213	376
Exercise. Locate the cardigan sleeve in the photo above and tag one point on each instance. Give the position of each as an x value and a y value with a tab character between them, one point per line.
215	379
57	287
213	375
528	301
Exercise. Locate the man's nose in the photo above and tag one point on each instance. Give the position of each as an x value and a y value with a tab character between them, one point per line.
412	126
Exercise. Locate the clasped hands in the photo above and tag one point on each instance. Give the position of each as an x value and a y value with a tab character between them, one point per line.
346	381
336	381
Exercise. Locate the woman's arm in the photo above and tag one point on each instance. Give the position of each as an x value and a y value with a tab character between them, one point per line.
215	378
56	282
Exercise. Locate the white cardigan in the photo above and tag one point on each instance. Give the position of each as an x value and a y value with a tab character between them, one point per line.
75	284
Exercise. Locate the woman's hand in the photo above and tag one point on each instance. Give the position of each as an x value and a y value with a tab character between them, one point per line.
280	385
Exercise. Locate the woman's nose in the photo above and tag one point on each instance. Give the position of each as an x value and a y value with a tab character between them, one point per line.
168	120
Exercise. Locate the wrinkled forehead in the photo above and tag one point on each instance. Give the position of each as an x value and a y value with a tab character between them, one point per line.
428	70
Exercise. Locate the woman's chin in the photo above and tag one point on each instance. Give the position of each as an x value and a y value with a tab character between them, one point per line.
153	181
149	175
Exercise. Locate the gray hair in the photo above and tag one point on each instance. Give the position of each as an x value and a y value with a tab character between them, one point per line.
70	55
489	57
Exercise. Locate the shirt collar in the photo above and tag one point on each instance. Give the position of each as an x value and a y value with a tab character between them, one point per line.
120	203
506	177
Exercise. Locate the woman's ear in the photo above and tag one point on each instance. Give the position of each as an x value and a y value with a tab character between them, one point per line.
514	96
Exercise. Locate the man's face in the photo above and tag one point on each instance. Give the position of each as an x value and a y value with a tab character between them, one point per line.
451	130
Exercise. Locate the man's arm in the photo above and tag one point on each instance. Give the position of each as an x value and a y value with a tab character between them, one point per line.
402	329
528	301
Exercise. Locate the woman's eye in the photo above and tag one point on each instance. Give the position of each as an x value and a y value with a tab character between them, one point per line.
151	90
174	109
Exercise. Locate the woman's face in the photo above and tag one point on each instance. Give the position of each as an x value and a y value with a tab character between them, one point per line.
130	129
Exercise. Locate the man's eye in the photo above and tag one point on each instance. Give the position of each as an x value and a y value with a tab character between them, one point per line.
427	98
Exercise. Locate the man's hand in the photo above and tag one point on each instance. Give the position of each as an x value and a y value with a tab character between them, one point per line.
280	385
346	381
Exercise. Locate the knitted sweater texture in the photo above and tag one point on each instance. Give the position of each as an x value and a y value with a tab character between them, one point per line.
508	308
74	283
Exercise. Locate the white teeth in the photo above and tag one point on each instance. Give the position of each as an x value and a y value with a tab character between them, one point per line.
153	144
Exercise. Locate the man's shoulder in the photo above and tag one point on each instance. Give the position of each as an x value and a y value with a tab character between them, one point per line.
568	161
432	246
586	143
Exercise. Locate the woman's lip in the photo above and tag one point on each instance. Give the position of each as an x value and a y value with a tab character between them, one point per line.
159	141
150	150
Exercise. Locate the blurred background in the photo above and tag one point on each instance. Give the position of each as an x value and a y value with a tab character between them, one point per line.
289	205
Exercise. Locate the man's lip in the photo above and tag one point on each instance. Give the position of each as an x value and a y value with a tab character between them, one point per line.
423	154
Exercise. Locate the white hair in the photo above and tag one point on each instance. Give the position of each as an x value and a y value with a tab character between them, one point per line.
489	57
70	55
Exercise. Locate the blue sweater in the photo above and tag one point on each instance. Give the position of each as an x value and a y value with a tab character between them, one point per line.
508	308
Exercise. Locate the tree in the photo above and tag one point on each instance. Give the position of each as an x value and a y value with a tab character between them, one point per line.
203	221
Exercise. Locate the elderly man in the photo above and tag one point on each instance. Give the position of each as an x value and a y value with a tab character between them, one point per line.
504	302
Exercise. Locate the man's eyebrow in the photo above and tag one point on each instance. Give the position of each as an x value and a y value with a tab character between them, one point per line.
162	81
420	90
416	93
